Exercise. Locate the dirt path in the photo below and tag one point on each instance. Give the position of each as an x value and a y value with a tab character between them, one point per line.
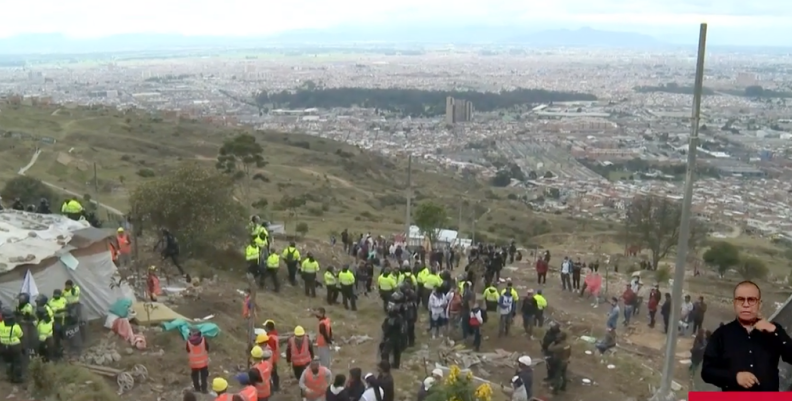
343	182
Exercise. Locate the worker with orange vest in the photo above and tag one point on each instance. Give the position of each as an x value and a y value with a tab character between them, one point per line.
220	387
274	345
124	247
248	306
325	338
249	392
299	352
263	364
198	351
113	252
314	382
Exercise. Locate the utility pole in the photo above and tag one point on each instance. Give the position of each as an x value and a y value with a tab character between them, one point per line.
664	392
408	216
459	226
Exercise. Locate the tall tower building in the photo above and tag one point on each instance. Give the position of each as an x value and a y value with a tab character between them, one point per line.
458	110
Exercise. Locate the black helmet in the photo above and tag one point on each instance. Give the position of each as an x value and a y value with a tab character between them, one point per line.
41	300
23	298
7	313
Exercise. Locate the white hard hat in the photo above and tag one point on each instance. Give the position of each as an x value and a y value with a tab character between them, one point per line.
428	382
437	372
525	360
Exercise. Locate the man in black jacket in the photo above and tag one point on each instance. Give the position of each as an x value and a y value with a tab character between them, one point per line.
528	310
385	381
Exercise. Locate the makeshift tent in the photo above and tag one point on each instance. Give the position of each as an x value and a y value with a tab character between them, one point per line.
53	249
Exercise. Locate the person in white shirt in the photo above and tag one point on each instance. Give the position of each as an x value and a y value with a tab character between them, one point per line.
438	304
684	322
566	273
371	388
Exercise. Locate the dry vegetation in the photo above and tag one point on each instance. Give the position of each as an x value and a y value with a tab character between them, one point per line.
345	188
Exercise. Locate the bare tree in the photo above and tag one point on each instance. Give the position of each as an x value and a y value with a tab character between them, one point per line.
653	223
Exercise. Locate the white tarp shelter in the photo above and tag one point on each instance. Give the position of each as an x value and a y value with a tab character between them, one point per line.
415	237
54	249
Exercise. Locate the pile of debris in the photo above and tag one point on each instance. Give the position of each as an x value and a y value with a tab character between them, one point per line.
102	354
450	353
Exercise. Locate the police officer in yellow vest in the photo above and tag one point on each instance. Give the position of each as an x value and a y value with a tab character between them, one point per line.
72	208
273	265
309	269
347	280
491	296
58	305
386	282
432	280
11	341
72	294
405	275
291	256
420	276
42	302
45	329
511	289
25	310
253	259
331	285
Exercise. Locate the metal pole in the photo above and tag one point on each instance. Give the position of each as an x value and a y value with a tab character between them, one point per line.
459	226
408	216
664	392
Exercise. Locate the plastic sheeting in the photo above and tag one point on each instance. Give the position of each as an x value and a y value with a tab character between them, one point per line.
94	276
29	238
208	330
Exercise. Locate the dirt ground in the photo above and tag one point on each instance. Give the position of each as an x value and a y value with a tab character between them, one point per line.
636	362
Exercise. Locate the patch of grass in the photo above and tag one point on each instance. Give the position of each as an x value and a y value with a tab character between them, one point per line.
50	381
353	188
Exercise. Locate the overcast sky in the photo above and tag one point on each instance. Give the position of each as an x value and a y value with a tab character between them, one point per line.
94	18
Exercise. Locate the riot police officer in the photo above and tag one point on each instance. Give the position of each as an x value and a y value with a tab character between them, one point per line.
393	330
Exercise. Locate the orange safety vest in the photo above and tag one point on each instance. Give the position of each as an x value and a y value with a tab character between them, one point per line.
224	397
199	358
246	307
317	385
113	251
320	341
275	351
265	370
301	357
124	244
249	393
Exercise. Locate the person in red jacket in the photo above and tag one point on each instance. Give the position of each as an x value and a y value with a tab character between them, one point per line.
654	301
541	270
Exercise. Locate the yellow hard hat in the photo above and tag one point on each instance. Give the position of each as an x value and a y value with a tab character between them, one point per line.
269	321
257	352
120	229
299	331
219	384
152	267
262	338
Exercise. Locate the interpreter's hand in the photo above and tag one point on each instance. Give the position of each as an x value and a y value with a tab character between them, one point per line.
746	379
764	325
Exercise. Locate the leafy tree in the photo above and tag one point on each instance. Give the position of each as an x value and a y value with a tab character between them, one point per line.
430	217
302	228
501	179
28	190
193	202
239	157
653	223
723	256
752	268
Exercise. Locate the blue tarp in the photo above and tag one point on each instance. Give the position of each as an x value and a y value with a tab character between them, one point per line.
208	330
121	308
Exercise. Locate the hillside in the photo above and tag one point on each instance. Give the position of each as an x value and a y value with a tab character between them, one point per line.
344	185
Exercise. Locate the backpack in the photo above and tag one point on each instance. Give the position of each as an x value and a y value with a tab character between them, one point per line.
290	255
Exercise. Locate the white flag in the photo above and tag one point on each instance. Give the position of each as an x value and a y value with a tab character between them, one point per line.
29	286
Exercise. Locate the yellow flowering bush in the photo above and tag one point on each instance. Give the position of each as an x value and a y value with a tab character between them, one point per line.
459	387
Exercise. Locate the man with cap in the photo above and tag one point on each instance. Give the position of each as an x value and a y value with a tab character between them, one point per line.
220	387
299	352
518	390
274	344
525	374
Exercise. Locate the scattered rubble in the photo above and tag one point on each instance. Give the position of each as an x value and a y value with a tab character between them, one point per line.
102	354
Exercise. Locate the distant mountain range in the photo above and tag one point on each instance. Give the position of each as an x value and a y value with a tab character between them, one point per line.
500	35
